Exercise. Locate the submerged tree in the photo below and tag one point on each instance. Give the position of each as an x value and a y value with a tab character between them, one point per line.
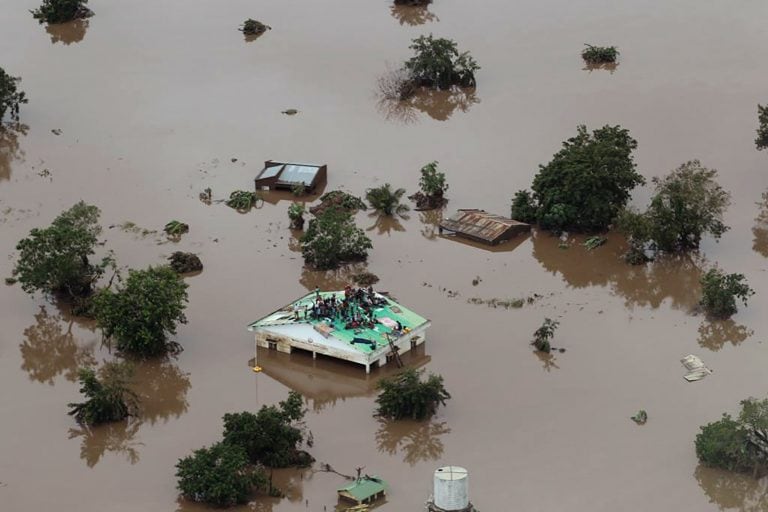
251	27
340	200
599	54
585	184
296	215
544	334
142	314
54	260
405	395
332	239
108	397
762	129
271	436
10	95
433	188
61	11
219	475
719	292
386	201
185	262
438	63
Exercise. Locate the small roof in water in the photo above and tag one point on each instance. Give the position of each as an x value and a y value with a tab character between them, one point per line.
297	173
363	488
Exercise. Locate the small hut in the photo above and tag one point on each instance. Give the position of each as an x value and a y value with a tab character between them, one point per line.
484	227
283	175
365	489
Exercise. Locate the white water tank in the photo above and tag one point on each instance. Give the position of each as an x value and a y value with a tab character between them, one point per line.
451	488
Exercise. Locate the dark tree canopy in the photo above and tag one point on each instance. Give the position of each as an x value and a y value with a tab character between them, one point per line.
585	184
687	204
144	311
406	396
54	260
10	95
219	475
271	436
719	292
437	63
107	395
332	239
61	11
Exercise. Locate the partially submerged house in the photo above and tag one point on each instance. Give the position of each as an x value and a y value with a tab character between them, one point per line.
284	175
394	330
365	489
483	227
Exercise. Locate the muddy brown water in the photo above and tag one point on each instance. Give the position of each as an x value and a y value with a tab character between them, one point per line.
154	99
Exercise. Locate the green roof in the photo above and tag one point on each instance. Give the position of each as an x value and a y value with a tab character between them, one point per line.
364	488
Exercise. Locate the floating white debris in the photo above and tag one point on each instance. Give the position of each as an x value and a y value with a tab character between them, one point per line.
697	370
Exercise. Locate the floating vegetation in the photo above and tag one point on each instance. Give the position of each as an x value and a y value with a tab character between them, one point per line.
600	54
132	227
500	303
206	195
594	242
185	262
242	200
641	417
176	228
365	278
252	27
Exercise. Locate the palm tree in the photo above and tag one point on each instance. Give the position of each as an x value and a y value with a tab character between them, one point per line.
386	201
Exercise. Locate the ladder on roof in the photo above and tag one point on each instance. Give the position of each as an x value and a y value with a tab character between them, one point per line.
395	352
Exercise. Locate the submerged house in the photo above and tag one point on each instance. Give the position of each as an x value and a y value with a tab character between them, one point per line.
365	489
484	227
390	330
283	175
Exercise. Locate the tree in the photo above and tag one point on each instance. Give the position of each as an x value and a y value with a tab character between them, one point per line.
437	63
523	207
762	130
61	11
385	200
144	312
543	335
107	395
333	238
54	260
406	396
219	475
296	215
719	292
433	188
586	183
270	437
737	445
10	95
599	54
251	27
687	204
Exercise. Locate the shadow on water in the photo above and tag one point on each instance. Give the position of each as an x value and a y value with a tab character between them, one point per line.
9	147
760	229
430	220
608	66
117	438
715	334
733	491
335	279
416	440
672	278
49	349
548	361
437	104
385	224
412	15
67	33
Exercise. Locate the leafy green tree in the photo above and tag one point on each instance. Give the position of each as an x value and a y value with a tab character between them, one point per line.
271	436
385	200
10	95
61	11
600	54
296	215
433	187
719	292
144	312
544	334
54	260
586	183
687	204
762	130
219	475
405	395
332	238
108	397
438	63
523	207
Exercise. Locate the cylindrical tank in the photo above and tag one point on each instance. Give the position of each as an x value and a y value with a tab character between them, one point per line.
451	488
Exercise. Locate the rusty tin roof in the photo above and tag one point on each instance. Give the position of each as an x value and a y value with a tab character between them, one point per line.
482	225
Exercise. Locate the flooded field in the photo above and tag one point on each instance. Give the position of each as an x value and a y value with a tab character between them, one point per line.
141	107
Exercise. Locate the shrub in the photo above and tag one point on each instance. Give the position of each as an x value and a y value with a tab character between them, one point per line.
433	187
296	215
252	27
242	200
107	395
61	11
437	63
523	207
54	260
340	200
298	189
269	437
144	312
385	200
219	475
762	130
406	396
599	54
175	229
10	95
544	334
333	238
719	292
185	262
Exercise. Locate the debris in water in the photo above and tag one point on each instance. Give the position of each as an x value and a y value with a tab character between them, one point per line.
594	242
697	370
290	112
476	281
641	417
56	131
206	195
233	160
10	281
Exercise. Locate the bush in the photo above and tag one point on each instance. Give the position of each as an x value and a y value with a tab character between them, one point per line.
719	292
242	200
340	200
523	207
142	314
252	27
586	183
332	239
185	262
433	188
687	204
107	396
54	260
269	437
219	475
544	334
10	95
296	215
385	200
406	396
61	11
175	229
600	54
762	130
437	63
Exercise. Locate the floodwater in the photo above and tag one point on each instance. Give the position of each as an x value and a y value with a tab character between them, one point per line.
154	100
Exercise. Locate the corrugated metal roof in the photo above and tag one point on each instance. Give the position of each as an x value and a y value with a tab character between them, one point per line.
298	174
271	171
481	224
364	488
